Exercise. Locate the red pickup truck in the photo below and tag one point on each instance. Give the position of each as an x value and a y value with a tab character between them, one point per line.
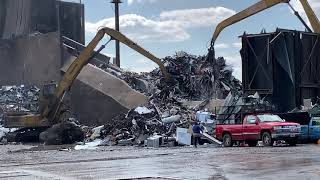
265	127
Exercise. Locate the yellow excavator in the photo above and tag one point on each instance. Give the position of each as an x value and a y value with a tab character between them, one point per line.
263	5
53	94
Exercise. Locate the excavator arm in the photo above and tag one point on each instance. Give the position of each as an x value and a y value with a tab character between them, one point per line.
51	106
313	19
83	59
261	6
252	10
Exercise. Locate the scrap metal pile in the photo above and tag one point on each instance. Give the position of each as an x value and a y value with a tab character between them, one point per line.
141	123
192	78
19	98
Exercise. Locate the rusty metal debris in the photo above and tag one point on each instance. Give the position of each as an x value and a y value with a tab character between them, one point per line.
192	79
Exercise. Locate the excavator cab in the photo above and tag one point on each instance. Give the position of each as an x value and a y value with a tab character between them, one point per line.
48	89
32	119
47	95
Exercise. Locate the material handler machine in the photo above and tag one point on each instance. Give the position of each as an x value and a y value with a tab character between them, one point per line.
51	109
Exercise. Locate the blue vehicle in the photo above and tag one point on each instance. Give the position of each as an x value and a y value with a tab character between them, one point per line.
310	125
311	131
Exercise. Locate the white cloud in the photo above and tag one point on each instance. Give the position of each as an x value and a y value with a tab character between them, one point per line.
315	4
236	64
237	45
221	46
130	2
170	26
141	28
203	17
140	1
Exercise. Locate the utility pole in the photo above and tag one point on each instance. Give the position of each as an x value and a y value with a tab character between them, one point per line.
116	11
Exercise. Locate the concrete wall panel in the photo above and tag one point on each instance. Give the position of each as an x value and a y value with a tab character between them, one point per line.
110	85
33	59
17	18
97	96
92	107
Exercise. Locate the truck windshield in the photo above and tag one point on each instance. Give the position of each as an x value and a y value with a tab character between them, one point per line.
269	118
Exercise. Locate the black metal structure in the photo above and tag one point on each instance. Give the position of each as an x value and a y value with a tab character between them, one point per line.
72	20
117	26
283	66
20	18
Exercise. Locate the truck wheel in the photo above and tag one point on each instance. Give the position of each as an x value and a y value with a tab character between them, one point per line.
227	140
252	143
266	139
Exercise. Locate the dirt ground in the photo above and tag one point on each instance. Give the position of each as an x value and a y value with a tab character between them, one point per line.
205	162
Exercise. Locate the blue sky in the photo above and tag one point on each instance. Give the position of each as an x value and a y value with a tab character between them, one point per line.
166	26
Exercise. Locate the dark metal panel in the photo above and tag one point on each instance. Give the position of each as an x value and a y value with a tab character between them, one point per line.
19	18
293	64
23	17
43	16
72	21
283	71
297	55
257	75
309	71
3	12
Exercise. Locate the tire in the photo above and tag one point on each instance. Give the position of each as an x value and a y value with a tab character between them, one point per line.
227	140
252	143
267	139
25	135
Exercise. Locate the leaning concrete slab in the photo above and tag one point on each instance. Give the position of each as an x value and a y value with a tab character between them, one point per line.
97	91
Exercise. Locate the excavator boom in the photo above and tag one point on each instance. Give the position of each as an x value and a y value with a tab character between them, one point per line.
313	19
83	59
252	10
261	6
49	115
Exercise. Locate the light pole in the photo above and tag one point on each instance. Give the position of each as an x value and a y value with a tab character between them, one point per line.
116	11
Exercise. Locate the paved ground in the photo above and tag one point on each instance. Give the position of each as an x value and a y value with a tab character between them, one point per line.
301	162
